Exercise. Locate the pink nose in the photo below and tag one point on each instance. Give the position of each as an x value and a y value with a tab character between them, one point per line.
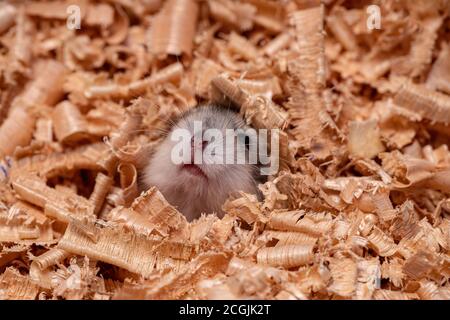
193	147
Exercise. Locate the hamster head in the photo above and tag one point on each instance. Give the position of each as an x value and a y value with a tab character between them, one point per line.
201	186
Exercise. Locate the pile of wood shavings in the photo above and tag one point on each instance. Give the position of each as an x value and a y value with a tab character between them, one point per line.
358	210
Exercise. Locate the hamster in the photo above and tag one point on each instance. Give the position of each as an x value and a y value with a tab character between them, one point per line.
204	187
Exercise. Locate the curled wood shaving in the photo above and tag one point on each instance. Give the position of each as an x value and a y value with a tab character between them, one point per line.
31	211
159	212
52	10
394	295
39	268
426	103
129	126
419	265
100	15
74	282
358	210
128	182
118	31
211	289
22	47
314	224
242	47
102	185
343	274
175	286
69	123
307	82
393	270
46	88
17	130
44	130
351	188
277	44
7	16
287	256
268	23
342	32
135	154
130	218
237	15
9	256
384	246
410	171
245	279
364	139
202	227
50	258
171	73
21	225
289	185
58	205
222	229
267	87
439	76
246	208
285	238
397	132
368	280
84	157
421	51
209	69
138	254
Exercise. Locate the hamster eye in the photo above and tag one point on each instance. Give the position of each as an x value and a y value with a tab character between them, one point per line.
247	142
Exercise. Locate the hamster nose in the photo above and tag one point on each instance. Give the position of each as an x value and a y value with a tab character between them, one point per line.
193	147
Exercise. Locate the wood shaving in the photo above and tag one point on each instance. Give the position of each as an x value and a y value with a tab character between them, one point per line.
12	134
14	286
439	76
364	139
102	187
427	104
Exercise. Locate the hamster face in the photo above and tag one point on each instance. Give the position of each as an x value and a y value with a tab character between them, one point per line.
201	188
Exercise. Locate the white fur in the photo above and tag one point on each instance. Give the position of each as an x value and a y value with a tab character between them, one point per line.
194	195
